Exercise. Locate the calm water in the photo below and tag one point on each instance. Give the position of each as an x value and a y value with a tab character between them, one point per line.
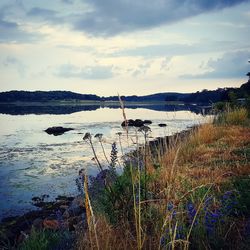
33	163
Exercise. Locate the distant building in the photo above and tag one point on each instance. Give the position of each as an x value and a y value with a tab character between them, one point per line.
241	100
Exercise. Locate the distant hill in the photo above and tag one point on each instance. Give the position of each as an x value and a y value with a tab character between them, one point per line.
200	97
160	97
208	96
221	94
44	96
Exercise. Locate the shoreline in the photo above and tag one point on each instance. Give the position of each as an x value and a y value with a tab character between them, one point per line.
69	213
47	210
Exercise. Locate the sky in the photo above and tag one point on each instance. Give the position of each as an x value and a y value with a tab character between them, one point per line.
130	47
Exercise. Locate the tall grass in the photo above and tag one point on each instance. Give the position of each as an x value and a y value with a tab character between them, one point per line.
237	116
182	197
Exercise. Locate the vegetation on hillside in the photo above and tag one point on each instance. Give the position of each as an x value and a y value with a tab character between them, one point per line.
204	96
44	96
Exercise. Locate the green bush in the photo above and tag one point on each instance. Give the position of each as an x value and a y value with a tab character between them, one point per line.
116	200
46	240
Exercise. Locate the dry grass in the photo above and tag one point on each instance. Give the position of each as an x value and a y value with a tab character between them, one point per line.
209	157
109	237
211	143
206	156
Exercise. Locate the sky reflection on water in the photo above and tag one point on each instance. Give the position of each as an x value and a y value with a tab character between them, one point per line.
33	163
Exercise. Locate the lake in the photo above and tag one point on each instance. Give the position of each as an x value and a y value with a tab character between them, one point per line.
34	163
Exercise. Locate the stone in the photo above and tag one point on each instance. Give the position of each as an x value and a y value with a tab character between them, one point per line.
37	224
57	130
138	123
51	224
148	122
162	125
130	123
133	123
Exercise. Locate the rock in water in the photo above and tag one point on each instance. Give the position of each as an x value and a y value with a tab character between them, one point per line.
162	125
57	130
147	122
138	123
133	123
129	123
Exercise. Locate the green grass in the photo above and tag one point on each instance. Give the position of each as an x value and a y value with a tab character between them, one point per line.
46	240
237	116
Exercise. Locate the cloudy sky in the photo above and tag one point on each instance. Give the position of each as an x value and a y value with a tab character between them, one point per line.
138	47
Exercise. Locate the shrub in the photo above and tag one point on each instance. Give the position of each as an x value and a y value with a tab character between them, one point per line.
46	240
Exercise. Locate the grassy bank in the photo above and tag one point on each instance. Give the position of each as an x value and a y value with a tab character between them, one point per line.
194	196
184	192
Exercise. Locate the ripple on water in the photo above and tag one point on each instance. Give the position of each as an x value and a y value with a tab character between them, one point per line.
33	163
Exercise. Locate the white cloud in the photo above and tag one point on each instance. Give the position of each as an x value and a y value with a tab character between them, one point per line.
14	63
85	72
230	65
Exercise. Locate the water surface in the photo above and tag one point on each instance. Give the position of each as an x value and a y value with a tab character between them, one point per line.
33	163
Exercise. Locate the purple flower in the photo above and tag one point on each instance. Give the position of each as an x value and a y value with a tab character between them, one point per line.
59	217
170	206
191	212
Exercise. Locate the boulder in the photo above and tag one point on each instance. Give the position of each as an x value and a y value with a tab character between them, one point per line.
138	123
51	224
130	122
162	125
76	208
57	130
147	122
133	123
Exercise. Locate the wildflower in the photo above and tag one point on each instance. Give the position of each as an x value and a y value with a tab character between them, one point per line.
163	241
87	136
113	156
227	195
80	181
207	203
170	206
98	136
179	233
144	129
191	213
229	202
211	219
174	213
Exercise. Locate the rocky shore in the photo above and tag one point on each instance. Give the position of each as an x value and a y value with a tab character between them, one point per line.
64	213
